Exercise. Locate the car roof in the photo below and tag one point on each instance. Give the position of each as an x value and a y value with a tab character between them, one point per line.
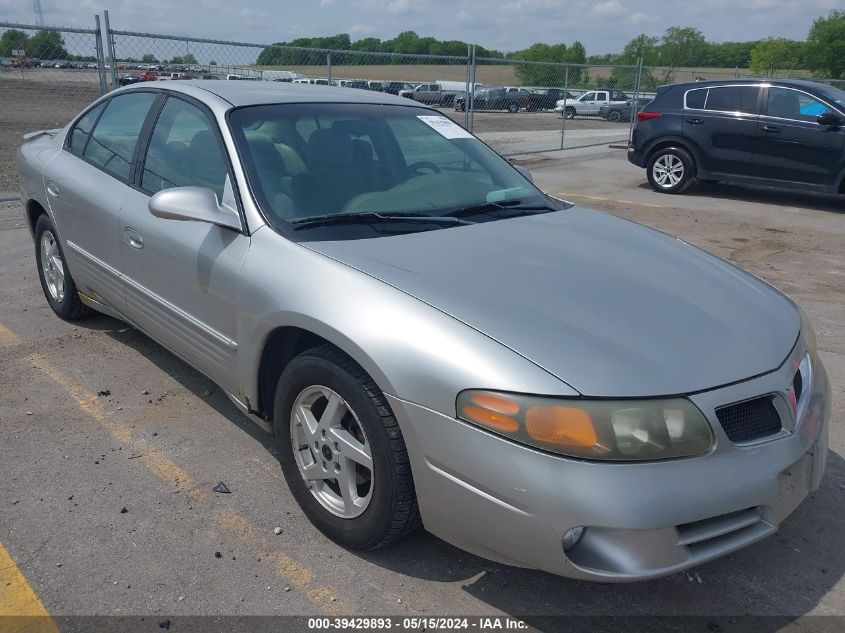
744	81
243	93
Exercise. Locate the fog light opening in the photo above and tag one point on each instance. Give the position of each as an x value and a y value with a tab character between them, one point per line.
572	536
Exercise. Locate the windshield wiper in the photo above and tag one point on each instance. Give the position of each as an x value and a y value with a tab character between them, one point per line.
513	208
369	217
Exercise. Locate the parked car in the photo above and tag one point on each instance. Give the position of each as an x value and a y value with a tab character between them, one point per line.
601	417
395	87
589	103
785	133
547	98
441	93
624	111
353	83
511	99
127	80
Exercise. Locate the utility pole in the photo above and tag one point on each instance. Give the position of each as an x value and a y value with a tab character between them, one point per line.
39	13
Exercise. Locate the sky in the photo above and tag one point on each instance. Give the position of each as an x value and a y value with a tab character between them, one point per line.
603	26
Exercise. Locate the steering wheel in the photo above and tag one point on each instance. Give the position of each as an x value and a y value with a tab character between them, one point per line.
413	169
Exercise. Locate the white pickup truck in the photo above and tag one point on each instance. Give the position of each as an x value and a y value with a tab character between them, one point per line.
589	103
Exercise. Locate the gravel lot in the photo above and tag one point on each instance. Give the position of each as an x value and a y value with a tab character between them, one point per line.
159	436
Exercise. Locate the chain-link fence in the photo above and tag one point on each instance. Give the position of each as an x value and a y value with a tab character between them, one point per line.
48	74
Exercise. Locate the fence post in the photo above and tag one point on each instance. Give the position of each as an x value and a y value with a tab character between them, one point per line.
563	112
467	91
329	67
639	78
110	44
101	63
470	100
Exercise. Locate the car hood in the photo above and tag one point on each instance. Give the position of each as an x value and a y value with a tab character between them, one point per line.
610	307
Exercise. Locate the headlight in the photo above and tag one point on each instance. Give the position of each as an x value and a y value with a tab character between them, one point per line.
807	332
612	430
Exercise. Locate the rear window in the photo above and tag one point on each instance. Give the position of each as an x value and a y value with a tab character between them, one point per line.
696	99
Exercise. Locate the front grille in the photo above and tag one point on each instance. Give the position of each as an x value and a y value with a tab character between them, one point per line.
749	420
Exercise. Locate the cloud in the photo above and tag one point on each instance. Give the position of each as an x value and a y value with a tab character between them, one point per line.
642	18
606	9
326	3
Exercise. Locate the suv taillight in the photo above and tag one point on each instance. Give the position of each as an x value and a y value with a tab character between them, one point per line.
647	116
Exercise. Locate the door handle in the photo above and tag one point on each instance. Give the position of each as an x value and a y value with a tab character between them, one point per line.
771	129
133	238
695	121
52	189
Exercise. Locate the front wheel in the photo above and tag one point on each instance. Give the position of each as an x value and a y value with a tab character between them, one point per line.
570	112
614	116
512	107
670	170
56	282
342	452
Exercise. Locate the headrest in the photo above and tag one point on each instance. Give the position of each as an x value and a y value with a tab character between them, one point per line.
327	149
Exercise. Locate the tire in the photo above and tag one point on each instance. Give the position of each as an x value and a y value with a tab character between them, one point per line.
56	283
570	112
391	510
513	107
670	170
614	116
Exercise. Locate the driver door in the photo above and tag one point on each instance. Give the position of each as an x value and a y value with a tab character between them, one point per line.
182	276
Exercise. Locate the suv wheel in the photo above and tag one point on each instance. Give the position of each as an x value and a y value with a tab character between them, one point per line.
570	112
512	107
670	170
342	452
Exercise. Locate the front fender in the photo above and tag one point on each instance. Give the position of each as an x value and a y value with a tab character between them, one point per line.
412	350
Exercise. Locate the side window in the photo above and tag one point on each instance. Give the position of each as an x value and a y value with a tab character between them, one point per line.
601	96
791	104
697	98
112	144
590	96
184	151
733	99
82	130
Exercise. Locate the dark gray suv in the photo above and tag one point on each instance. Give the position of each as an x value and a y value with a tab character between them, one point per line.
785	133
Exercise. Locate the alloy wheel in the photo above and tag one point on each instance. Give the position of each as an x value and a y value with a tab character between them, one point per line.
668	171
52	266
332	451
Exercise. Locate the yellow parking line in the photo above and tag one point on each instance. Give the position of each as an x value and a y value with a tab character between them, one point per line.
21	610
289	570
566	194
7	337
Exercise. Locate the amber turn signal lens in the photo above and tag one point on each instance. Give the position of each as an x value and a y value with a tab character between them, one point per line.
491	419
560	426
495	402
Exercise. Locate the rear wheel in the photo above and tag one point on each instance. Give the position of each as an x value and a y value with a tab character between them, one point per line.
570	112
513	107
56	282
670	170
342	452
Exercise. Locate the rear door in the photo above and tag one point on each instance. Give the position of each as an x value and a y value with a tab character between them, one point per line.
86	185
791	145
722	122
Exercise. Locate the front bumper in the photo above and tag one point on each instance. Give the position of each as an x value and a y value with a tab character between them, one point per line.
513	504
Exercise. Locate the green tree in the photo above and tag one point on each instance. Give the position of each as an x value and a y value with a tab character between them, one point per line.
681	46
12	40
826	45
772	55
47	45
149	58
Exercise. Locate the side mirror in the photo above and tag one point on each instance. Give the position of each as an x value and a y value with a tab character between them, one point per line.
524	171
193	203
829	118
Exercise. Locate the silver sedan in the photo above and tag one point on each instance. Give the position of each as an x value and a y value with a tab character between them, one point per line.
431	338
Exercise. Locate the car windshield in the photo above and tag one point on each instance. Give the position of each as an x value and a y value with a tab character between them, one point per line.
835	94
350	171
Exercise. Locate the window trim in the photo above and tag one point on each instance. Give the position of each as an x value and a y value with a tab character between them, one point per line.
759	88
82	157
804	92
146	135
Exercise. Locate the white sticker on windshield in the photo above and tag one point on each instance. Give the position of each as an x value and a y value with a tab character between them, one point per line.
446	127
